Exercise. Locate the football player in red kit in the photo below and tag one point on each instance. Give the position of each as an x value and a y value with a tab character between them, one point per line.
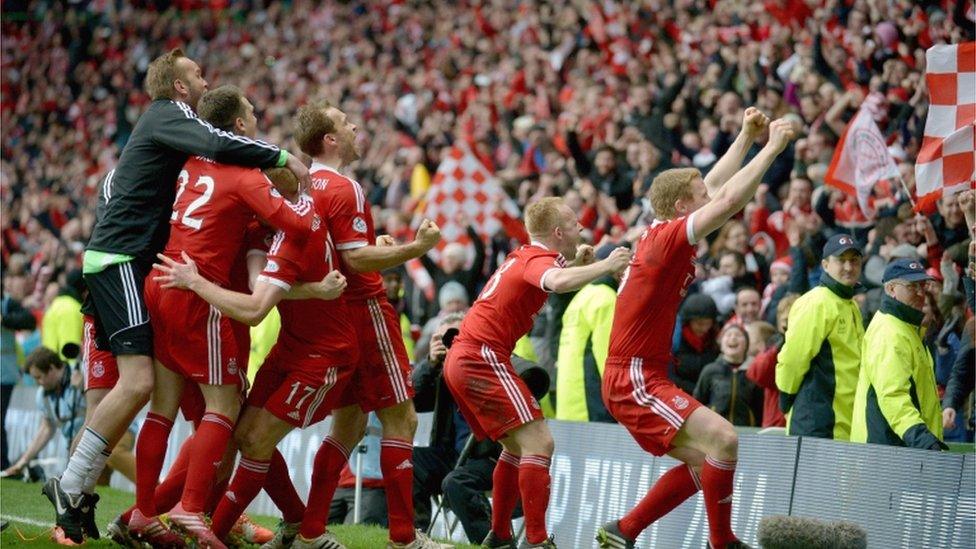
381	381
661	417
192	340
495	402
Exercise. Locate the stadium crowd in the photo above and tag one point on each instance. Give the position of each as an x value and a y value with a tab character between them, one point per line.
581	99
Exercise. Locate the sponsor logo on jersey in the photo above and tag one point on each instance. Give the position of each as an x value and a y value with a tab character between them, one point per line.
405	464
294	414
272	266
359	224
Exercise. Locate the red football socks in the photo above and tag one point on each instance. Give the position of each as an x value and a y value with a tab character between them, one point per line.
150	454
329	460
675	486
282	491
534	486
248	480
504	494
716	479
396	463
210	442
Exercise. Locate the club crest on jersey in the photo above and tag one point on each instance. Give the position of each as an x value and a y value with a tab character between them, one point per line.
271	267
316	222
98	369
680	402
232	366
359	224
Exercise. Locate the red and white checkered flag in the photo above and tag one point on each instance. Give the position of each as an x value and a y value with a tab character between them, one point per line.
947	160
462	185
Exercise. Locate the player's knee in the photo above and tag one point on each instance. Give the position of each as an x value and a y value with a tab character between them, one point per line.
725	442
248	440
137	388
536	440
399	421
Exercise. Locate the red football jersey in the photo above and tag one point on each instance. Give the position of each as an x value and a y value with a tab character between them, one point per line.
350	224
505	310
651	291
214	205
319	327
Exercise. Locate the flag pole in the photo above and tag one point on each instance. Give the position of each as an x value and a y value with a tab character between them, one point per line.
904	187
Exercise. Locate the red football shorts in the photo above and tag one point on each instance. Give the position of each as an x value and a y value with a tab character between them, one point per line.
492	397
192	403
298	389
651	407
101	370
382	377
193	338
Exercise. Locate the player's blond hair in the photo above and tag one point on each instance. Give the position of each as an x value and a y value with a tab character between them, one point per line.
162	74
543	216
669	187
222	107
312	123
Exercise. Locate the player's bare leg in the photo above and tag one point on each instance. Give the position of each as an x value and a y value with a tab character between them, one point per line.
531	445
712	435
348	428
257	434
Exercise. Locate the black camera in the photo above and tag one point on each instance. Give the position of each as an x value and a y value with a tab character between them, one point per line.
448	338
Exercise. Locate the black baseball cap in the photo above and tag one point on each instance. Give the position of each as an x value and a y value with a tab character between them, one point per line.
838	244
909	270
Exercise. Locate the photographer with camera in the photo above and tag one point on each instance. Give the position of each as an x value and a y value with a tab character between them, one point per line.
61	403
454	464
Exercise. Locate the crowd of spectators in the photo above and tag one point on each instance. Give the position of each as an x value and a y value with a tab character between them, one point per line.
584	99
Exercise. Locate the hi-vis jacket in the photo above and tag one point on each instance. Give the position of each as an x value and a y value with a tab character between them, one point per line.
897	401
817	369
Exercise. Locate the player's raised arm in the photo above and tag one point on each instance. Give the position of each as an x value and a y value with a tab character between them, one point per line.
753	124
373	258
734	195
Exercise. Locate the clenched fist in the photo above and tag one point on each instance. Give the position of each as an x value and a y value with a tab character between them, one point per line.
331	286
619	259
781	132
754	122
584	255
428	235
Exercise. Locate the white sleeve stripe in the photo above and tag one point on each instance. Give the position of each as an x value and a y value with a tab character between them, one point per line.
542	280
302	207
690	228
279	237
274	282
188	112
352	245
